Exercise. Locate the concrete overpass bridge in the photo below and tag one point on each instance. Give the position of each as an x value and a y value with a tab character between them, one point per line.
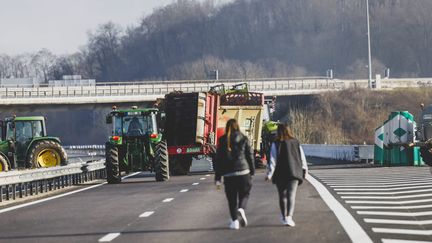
144	91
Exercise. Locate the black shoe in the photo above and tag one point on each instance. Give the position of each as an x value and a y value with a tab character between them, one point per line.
242	217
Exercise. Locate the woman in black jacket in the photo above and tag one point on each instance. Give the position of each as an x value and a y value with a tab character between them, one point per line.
235	162
287	169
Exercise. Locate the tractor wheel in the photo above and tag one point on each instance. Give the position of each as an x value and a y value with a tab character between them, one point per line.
426	155
47	153
181	164
161	162
3	164
112	164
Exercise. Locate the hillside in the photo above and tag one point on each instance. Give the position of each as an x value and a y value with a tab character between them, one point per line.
350	116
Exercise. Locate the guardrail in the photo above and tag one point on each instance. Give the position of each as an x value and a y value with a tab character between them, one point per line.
164	87
340	152
21	184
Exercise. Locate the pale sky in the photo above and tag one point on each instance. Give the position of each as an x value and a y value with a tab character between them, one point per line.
62	25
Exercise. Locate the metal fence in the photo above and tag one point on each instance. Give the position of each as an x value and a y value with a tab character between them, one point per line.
340	152
20	184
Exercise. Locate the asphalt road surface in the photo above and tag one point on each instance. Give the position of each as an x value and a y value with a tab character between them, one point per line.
338	203
185	209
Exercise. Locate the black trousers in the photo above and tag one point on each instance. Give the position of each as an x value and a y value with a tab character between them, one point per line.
237	189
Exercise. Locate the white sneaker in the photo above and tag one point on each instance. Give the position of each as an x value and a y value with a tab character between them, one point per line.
242	217
235	225
290	221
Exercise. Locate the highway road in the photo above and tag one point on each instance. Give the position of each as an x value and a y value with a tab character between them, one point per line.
336	205
185	209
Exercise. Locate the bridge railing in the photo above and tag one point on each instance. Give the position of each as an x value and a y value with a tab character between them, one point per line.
164	87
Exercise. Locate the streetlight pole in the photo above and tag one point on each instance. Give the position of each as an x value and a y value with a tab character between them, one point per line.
369	46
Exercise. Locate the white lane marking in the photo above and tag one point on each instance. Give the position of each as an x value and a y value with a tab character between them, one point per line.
58	196
402	214
384	193
203	178
384	183
352	228
207	175
195	184
392	221
49	199
109	237
392	207
168	199
146	214
403	241
389	202
184	190
387	197
383	187
133	174
402	231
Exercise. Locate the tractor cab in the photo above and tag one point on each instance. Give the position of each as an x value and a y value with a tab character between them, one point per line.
134	124
25	144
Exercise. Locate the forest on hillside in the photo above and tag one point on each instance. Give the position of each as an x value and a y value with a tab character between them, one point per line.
247	39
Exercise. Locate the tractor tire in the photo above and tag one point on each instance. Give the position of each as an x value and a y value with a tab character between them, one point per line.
4	166
161	162
112	164
180	164
426	155
46	153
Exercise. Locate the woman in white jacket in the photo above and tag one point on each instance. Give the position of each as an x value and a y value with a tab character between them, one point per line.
287	169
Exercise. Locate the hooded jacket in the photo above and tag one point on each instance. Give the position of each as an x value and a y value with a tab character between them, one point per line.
240	158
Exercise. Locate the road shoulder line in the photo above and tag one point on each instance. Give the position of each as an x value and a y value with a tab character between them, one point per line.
351	226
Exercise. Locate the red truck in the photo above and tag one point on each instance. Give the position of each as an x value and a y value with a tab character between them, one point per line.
195	121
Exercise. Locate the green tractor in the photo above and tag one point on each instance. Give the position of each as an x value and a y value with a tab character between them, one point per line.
136	144
25	144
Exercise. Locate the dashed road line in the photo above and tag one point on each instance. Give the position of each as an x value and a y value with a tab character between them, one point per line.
195	184
207	175
202	178
146	214
168	199
184	190
109	237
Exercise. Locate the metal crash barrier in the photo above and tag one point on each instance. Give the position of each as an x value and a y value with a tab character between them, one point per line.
20	184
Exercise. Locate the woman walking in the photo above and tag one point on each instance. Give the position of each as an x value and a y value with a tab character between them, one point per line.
235	162
287	169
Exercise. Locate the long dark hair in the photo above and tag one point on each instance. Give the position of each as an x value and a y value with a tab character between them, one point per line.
284	133
231	126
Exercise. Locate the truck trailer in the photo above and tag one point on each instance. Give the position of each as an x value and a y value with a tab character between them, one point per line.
195	121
